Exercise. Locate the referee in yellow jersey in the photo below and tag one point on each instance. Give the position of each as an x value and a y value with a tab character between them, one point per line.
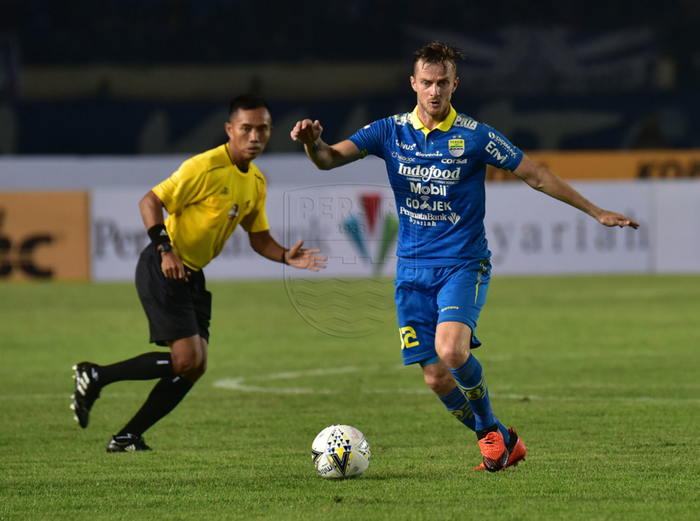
207	198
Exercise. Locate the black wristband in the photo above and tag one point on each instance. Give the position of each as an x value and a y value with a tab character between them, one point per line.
284	257
158	234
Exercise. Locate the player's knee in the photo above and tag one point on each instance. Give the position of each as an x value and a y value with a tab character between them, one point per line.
453	354
452	344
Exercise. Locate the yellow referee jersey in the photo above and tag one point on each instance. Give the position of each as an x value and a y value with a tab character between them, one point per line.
206	199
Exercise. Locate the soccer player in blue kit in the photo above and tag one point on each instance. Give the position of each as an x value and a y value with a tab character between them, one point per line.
436	161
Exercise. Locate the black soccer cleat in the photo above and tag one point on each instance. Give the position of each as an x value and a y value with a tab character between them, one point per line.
127	443
87	390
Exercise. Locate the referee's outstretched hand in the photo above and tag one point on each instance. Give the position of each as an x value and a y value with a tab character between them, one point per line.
305	259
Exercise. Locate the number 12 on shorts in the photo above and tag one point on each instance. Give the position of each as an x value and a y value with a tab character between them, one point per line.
408	337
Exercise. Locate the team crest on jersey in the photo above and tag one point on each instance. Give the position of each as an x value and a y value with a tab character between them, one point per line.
456	147
233	212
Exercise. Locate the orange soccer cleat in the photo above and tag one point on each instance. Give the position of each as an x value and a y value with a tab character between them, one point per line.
516	452
494	450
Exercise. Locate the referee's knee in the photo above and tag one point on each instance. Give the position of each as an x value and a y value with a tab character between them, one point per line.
190	371
189	357
187	363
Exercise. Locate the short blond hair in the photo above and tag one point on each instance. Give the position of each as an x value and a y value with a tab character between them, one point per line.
438	53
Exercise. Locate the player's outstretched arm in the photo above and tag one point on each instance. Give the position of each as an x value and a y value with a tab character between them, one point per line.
323	155
546	181
296	256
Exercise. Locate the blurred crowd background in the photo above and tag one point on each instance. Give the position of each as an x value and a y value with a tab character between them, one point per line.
155	76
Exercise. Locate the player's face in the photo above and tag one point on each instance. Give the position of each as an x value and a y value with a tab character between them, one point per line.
248	132
434	83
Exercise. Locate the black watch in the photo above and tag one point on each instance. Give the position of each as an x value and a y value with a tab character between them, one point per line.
165	247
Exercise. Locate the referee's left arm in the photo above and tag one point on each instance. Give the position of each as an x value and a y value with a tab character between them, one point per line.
296	256
263	244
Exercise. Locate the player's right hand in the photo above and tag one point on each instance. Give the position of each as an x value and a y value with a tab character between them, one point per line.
306	131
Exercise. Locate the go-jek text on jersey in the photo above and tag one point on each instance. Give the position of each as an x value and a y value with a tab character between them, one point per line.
438	181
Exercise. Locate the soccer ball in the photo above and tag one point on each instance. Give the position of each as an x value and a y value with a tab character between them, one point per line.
340	452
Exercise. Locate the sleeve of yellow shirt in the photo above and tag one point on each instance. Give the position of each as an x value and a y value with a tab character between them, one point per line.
256	221
181	188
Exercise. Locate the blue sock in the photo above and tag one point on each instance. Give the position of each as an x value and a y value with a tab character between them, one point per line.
471	382
458	406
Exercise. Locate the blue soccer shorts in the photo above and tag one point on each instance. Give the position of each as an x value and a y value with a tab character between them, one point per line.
427	296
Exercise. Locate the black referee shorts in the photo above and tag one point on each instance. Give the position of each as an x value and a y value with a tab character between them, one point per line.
175	308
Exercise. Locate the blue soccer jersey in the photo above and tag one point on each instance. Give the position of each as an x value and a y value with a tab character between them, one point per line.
438	181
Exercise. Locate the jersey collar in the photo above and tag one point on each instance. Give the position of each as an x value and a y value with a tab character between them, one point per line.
444	125
233	163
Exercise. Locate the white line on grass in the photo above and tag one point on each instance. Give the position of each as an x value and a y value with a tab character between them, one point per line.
239	384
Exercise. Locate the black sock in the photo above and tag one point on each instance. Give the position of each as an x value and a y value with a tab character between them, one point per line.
147	366
163	398
483	432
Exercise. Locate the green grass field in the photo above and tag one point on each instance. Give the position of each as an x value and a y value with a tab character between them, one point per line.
600	375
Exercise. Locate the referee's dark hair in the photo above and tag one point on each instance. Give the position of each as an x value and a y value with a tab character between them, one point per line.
247	102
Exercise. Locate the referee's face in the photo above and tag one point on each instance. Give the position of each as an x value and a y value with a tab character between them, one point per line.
248	132
434	84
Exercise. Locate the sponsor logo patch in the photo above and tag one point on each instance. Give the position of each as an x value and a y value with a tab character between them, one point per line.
465	123
425	204
426	174
402	119
428	189
405	159
503	143
405	146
